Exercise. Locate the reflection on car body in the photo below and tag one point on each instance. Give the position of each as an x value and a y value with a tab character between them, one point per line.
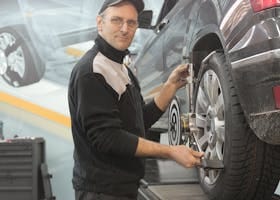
31	31
234	48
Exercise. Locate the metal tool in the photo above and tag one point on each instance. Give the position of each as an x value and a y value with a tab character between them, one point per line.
206	164
212	164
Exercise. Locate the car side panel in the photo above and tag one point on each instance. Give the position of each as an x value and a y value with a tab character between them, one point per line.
182	20
255	61
149	64
251	43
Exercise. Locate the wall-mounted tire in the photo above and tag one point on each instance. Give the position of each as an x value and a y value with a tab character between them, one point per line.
23	65
225	135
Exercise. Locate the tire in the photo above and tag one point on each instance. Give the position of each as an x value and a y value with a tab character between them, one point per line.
270	174
174	123
225	135
20	65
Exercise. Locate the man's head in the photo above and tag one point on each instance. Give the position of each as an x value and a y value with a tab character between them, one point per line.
118	20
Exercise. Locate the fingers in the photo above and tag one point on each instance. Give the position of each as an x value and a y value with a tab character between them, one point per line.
187	156
197	153
181	73
194	162
182	68
197	162
196	157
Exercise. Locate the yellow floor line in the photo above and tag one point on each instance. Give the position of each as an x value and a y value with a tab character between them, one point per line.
74	52
35	109
22	116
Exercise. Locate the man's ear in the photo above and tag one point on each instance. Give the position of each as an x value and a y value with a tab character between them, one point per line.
99	22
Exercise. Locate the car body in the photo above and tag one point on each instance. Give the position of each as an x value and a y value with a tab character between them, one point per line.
234	48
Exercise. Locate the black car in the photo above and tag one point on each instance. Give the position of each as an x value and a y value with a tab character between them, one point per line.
234	48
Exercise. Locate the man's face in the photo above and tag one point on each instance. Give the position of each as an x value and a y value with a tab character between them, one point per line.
117	25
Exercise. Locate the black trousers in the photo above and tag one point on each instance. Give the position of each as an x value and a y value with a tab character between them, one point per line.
84	195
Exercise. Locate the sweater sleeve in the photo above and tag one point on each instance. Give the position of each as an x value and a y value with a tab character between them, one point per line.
151	113
100	117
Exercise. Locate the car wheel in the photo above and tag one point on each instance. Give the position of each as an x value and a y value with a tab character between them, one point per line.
270	174
224	135
19	63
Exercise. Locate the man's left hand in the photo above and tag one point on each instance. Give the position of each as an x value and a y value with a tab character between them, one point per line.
178	77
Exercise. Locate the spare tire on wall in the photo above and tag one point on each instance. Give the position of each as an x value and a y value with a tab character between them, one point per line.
20	64
225	135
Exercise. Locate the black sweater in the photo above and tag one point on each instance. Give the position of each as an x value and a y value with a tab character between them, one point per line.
108	115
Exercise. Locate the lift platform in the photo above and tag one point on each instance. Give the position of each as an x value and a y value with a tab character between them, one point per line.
166	180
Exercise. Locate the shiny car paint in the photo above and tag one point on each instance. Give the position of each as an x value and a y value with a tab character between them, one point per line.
249	40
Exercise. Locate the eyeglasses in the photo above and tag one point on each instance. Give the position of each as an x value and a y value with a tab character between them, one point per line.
118	21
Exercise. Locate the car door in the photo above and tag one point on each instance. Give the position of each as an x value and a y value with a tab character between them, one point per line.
178	33
149	61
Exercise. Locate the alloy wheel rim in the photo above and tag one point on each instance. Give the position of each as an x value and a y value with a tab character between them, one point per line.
12	56
211	122
3	62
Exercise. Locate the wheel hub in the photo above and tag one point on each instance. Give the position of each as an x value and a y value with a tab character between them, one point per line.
3	62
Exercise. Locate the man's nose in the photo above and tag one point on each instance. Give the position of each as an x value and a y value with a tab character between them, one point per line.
124	27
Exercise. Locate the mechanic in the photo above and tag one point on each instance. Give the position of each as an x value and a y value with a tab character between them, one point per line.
109	117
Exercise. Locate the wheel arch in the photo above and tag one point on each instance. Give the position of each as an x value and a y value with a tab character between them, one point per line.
204	45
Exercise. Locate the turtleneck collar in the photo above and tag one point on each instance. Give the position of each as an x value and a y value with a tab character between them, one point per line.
110	52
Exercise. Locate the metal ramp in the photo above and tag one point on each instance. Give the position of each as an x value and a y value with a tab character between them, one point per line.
166	180
168	192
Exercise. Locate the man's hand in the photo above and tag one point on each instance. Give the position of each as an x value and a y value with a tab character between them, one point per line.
176	80
186	156
178	77
182	154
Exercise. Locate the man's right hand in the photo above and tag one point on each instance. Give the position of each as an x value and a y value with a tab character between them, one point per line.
185	156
